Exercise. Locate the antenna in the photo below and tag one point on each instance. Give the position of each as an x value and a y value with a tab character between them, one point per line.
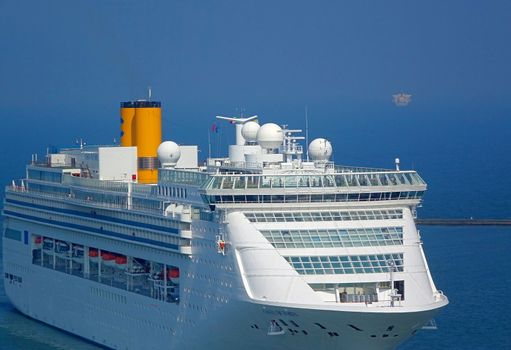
241	111
307	132
209	143
80	142
289	146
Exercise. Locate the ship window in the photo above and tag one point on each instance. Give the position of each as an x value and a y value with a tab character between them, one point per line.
321	238
325	216
351	264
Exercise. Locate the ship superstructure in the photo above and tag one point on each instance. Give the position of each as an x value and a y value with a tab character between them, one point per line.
263	249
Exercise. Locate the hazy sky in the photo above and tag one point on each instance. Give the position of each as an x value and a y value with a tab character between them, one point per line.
80	58
66	65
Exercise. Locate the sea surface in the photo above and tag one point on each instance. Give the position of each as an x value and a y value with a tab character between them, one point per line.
471	265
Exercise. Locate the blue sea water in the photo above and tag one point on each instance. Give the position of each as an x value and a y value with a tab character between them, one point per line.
470	264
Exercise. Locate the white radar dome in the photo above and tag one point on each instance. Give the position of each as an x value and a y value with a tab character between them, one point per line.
320	149
168	153
270	136
249	131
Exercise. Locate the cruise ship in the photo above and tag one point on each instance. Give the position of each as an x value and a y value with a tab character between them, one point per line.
141	246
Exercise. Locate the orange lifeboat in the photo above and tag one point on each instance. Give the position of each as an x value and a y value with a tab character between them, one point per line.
93	253
120	261
109	258
173	274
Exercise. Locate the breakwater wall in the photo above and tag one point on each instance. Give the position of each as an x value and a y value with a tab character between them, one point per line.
464	222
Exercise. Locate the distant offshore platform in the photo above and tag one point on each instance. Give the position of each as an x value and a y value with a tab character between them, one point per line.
402	99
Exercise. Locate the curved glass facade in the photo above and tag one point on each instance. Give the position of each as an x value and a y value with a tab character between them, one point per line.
324	238
329	265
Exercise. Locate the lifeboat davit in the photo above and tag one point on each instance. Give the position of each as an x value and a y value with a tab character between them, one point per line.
62	247
48	243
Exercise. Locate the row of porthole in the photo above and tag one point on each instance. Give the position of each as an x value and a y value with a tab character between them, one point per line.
98	310
108	295
209	279
16	267
164	312
198	243
195	307
205	295
204	229
184	319
211	263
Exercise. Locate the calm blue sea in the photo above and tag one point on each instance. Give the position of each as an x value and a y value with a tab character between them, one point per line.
470	264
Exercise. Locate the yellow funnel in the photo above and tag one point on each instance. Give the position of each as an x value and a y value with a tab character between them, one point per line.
141	127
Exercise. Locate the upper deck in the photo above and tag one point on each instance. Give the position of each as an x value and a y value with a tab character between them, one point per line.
297	186
264	166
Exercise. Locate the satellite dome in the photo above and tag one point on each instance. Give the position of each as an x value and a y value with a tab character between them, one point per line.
320	149
168	153
249	131
270	136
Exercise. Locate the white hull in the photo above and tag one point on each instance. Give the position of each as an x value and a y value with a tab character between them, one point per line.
74	310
